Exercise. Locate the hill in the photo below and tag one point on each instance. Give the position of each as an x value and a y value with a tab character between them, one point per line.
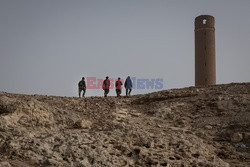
195	126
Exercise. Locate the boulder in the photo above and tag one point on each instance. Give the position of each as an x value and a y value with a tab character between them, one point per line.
83	124
236	137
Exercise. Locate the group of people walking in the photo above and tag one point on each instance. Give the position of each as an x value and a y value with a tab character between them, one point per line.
106	86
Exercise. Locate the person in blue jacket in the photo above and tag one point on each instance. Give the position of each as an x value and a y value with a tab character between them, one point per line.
128	86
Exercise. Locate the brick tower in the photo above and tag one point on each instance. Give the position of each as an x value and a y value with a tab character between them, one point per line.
205	67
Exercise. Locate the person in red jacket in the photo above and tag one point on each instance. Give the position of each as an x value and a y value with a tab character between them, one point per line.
118	85
105	86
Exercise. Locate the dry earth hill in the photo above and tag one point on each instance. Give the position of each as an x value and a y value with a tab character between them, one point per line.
189	127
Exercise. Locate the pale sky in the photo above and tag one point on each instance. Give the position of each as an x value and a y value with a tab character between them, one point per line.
47	46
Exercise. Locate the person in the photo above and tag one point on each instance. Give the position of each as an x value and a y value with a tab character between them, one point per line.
118	85
82	87
105	86
128	86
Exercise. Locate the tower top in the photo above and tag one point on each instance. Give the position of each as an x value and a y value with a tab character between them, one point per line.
204	21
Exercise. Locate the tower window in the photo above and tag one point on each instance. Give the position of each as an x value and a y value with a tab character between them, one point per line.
204	21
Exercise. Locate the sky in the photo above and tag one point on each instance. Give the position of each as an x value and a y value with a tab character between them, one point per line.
47	46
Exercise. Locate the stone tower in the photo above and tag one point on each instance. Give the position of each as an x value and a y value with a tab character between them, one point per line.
205	67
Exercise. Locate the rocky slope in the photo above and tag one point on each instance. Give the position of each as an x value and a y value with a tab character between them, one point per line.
183	127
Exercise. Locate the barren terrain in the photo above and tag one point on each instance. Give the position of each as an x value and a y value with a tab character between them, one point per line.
196	127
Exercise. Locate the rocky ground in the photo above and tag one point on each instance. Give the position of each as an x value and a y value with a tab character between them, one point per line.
196	127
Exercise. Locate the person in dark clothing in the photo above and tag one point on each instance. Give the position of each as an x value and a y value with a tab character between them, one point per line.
118	86
105	86
82	87
128	86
